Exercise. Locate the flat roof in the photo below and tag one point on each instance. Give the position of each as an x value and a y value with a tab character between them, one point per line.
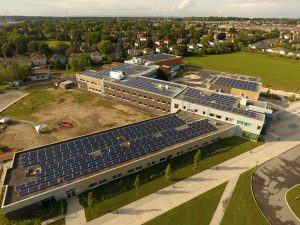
216	100
236	83
127	69
65	162
158	57
152	85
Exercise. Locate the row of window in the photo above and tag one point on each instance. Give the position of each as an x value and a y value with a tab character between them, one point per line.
140	103
116	176
228	119
139	95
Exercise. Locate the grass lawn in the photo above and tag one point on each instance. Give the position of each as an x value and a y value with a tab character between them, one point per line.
276	72
198	211
293	199
42	97
242	208
53	43
118	193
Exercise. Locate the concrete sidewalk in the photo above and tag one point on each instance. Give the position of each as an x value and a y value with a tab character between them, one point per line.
75	212
160	202
224	201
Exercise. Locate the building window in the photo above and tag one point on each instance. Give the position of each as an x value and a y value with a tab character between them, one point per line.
195	110
102	181
240	122
130	171
218	116
93	185
211	114
176	106
258	127
204	113
162	159
184	107
248	124
138	168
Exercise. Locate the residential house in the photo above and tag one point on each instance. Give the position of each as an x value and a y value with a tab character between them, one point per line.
96	56
40	74
143	39
260	45
157	43
61	59
296	33
148	51
39	60
134	52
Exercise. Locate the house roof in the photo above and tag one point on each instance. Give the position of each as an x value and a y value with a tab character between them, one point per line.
261	45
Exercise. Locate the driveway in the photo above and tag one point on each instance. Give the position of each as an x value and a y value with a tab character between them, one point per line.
270	183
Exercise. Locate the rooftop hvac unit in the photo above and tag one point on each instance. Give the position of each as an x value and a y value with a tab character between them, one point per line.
118	75
243	102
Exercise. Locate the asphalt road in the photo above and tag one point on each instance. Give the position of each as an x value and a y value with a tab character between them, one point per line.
271	181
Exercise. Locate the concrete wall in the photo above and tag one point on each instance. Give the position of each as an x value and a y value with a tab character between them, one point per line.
83	184
255	128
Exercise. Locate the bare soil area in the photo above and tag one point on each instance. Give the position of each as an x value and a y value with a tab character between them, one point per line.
19	136
67	114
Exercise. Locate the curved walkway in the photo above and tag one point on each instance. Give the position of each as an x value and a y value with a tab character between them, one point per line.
270	183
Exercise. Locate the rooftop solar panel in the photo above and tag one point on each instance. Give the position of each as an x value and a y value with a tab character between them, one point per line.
140	141
128	69
234	83
217	101
157	57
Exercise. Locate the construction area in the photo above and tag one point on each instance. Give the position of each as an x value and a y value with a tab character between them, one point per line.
63	114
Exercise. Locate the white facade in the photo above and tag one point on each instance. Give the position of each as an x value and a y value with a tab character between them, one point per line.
246	124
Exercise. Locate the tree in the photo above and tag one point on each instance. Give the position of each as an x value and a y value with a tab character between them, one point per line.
197	158
61	47
164	49
105	47
168	173
44	48
7	51
33	46
91	200
137	183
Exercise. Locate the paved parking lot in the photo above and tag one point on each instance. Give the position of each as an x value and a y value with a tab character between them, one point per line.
270	183
9	98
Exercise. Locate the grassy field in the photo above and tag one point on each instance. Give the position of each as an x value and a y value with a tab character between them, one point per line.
116	194
199	210
242	208
294	203
276	72
53	43
41	98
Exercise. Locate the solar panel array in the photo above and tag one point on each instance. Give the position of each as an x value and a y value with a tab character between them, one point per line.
217	101
128	69
152	85
158	57
240	84
72	159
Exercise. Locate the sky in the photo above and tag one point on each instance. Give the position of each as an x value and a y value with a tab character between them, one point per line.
165	8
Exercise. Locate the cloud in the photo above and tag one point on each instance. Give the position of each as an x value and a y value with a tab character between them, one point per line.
185	4
254	5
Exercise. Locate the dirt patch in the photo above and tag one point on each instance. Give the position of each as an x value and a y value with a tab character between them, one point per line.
18	137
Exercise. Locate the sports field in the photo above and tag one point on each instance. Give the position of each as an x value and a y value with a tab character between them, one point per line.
53	43
276	72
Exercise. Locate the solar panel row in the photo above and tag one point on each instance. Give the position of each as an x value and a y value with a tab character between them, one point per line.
240	84
151	85
217	101
126	68
71	159
158	57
